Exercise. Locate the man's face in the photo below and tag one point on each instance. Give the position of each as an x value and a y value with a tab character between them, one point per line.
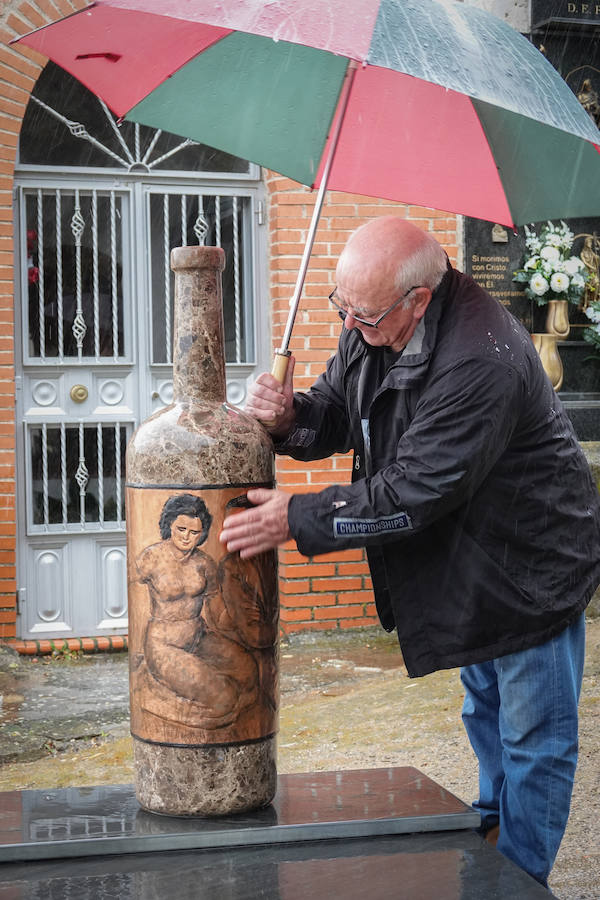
397	328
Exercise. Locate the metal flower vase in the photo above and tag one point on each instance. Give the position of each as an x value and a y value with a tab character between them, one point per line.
545	344
557	318
203	622
557	329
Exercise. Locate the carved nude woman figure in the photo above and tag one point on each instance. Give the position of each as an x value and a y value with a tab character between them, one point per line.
184	649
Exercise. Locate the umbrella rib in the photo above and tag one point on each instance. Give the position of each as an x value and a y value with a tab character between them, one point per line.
283	351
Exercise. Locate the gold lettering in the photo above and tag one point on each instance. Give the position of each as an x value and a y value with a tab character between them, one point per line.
585	7
571	7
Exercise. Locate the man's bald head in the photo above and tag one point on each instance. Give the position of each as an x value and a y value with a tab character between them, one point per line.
391	254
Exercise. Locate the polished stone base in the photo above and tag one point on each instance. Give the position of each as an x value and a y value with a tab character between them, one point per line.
205	781
327	835
96	821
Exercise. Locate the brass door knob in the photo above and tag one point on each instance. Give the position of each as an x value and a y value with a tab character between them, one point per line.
79	393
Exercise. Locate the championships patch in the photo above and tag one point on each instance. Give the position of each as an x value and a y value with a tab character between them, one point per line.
364	527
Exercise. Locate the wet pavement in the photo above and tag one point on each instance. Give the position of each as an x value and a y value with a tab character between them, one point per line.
49	705
55	703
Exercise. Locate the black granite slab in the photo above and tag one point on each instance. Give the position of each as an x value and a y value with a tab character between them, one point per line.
97	821
451	865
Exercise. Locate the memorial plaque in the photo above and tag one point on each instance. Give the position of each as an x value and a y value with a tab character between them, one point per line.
492	253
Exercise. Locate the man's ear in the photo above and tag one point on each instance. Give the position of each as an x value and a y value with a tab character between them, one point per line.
422	296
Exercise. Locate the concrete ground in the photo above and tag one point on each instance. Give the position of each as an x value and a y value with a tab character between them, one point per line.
346	703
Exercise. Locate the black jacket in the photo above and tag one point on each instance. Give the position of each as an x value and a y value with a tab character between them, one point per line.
470	491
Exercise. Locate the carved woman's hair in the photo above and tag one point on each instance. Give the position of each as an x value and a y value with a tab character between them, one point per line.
184	505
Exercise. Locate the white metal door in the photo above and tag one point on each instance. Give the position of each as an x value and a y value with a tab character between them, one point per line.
75	405
96	338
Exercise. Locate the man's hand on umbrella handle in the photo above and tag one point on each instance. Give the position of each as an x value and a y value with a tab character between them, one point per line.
272	403
261	528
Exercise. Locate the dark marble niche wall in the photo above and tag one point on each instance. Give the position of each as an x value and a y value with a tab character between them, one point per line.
492	253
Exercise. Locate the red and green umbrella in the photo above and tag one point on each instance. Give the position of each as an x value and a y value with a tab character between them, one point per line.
450	107
430	102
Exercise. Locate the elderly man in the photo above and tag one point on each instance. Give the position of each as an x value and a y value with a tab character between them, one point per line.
474	502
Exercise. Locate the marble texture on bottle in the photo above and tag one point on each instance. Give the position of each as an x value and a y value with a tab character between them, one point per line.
199	438
197	444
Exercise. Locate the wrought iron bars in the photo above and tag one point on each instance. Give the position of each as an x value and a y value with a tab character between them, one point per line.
216	220
73	268
77	476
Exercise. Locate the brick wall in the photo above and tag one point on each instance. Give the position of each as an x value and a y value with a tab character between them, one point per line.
19	71
333	590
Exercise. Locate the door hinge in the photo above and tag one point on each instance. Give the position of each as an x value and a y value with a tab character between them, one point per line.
260	212
21	597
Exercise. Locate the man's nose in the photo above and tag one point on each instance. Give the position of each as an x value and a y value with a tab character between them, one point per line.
349	321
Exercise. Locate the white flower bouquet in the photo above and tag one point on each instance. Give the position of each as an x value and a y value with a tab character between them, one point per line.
549	270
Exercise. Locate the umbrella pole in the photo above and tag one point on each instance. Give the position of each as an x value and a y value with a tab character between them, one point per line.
282	355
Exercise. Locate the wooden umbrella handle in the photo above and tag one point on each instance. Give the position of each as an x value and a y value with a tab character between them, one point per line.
280	364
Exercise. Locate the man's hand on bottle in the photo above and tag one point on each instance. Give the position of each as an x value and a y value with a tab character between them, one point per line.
261	528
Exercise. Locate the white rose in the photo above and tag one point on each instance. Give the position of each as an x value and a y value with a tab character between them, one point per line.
538	285
572	265
559	282
550	253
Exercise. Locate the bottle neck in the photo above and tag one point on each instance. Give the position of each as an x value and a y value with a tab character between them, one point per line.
198	346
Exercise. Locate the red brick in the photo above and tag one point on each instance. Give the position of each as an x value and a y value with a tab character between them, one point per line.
317	569
336	584
349	612
359	623
330	613
11	56
296	615
296	586
308	600
352	568
354	596
322	478
34	16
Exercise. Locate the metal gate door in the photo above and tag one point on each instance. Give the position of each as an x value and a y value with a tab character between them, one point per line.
96	359
76	398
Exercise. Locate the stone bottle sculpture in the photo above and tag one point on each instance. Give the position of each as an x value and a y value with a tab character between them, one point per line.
203	623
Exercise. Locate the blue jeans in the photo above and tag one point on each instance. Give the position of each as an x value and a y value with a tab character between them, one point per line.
520	713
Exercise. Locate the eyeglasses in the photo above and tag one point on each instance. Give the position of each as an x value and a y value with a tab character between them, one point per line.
343	310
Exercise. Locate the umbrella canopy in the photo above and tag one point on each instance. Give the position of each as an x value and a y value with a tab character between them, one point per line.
449	107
